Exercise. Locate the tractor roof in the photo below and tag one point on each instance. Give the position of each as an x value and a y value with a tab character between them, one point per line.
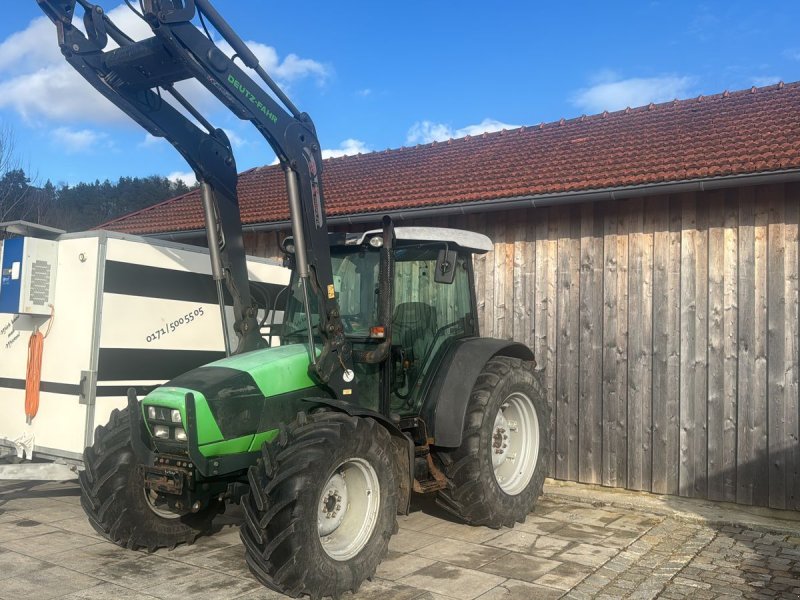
467	240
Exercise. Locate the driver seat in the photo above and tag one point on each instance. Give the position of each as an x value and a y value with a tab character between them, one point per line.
414	326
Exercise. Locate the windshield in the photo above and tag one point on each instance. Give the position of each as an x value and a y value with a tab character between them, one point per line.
355	281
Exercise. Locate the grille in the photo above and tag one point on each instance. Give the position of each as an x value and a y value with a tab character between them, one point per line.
40	283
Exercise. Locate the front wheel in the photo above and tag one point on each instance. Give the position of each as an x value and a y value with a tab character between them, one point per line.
322	506
496	475
119	507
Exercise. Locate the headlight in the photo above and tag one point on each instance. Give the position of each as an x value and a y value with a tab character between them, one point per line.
151	412
180	434
175	415
161	431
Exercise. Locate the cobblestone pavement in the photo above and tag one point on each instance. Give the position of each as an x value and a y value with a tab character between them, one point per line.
566	548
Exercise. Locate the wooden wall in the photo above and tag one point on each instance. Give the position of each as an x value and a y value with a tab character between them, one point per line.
666	330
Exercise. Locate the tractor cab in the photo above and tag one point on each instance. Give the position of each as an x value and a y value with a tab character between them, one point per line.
431	306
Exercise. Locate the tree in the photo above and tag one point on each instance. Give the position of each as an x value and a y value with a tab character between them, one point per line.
15	186
77	207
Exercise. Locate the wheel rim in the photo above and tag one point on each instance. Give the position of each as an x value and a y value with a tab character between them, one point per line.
515	443
151	499
348	509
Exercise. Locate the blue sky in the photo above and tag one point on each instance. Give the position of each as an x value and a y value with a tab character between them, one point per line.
384	75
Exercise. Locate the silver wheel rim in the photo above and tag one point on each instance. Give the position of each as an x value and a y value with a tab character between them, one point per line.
348	508
151	497
515	443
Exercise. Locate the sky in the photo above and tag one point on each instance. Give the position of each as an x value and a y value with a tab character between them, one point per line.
377	75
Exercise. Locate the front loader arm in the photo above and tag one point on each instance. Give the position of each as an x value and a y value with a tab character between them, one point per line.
134	77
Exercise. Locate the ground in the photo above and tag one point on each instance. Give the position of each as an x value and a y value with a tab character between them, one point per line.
578	543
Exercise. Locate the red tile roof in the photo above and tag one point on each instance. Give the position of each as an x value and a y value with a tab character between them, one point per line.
750	131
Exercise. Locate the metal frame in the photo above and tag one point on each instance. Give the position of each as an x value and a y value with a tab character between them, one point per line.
133	77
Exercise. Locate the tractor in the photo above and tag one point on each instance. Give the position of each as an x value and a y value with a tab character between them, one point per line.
381	386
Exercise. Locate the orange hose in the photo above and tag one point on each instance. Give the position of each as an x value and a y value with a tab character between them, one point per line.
33	377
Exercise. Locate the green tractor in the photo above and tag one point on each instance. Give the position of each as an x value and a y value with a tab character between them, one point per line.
381	385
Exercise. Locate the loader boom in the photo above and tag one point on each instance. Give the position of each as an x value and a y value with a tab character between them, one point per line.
137	76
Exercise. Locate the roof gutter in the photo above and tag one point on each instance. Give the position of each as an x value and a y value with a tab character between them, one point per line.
533	201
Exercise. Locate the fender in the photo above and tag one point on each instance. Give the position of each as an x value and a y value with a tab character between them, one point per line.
445	404
403	445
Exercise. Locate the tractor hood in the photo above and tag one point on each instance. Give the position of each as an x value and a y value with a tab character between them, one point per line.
240	400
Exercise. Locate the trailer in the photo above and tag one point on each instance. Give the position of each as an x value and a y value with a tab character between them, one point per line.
120	312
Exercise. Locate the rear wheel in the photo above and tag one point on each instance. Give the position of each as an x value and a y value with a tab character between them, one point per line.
497	473
322	506
118	505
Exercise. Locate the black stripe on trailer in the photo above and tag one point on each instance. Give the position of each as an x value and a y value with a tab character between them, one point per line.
51	387
74	389
145	281
130	364
113	391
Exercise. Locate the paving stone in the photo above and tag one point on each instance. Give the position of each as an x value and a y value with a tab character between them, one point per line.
229	560
457	531
19	528
78	524
43	584
577	532
417	521
106	591
513	589
203	584
462	554
51	542
143	571
13	564
384	590
397	565
587	554
520	566
565	576
452	581
90	558
634	522
268	594
529	543
408	540
540	526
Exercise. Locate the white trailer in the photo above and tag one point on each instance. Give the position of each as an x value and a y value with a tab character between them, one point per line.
127	312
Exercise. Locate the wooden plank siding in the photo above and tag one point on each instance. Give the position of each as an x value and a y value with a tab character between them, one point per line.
666	333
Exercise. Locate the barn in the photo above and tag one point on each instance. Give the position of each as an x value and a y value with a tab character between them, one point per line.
649	257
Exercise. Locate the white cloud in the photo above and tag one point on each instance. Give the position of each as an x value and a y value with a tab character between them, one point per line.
188	177
364	93
347	147
79	140
792	53
235	139
151	141
59	94
37	83
33	47
425	132
609	92
291	68
765	80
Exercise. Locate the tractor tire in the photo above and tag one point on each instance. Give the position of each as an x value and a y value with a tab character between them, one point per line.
116	502
322	506
497	474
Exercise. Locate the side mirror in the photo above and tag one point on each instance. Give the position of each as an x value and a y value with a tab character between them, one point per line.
445	266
